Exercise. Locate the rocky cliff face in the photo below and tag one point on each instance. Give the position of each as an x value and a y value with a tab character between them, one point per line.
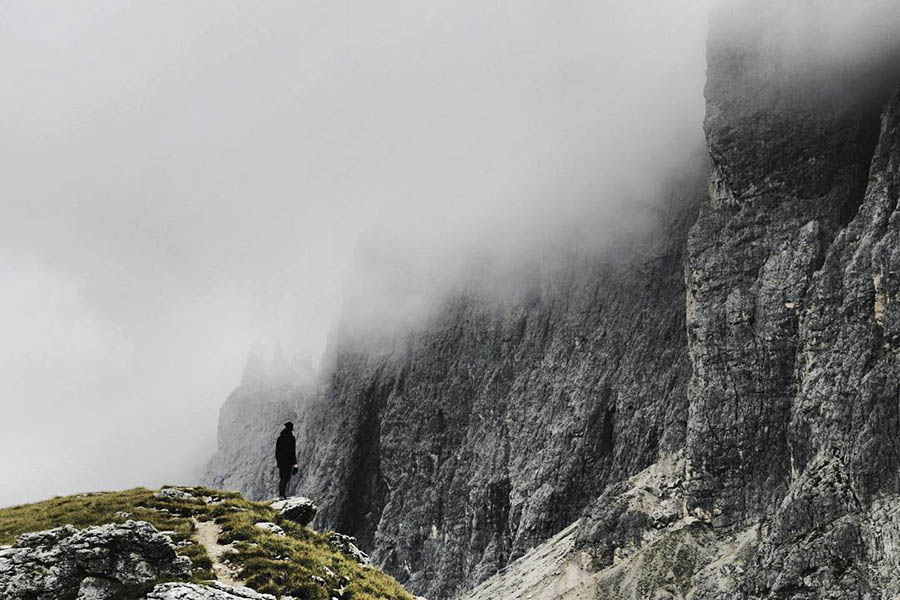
452	450
790	155
834	533
830	524
469	442
716	407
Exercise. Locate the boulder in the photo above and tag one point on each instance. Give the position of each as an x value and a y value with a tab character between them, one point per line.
173	494
347	545
66	563
211	591
271	527
296	508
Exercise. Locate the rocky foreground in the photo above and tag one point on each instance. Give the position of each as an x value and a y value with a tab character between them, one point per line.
180	544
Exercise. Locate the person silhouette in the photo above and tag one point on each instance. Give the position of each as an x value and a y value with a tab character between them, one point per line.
286	457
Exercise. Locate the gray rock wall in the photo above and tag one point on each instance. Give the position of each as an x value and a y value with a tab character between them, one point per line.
835	533
830	525
467	443
790	153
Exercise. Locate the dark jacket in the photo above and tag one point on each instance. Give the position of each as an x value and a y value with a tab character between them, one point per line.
286	449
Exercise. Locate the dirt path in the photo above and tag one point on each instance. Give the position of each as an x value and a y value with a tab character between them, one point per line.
207	535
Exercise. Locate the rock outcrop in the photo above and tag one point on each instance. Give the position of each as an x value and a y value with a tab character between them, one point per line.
347	545
211	591
93	563
192	543
296	508
271	527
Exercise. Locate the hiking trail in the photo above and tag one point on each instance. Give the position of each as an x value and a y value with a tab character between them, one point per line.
207	535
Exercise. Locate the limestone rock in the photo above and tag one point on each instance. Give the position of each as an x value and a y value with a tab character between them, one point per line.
211	591
347	545
173	493
296	508
271	527
60	563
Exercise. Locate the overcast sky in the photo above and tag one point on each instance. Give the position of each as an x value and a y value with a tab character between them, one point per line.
182	180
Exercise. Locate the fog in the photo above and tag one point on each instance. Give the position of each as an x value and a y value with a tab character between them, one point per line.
184	181
812	34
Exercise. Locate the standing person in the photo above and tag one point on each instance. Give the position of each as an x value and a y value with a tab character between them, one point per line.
286	457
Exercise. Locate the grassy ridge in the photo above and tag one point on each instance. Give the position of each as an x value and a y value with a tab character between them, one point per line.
301	564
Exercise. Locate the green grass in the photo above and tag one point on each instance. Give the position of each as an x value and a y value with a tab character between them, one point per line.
264	561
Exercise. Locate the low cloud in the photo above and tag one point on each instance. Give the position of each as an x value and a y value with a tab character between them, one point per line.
183	181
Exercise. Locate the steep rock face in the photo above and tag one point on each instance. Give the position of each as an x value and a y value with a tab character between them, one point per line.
452	450
790	153
458	448
835	533
791	275
635	542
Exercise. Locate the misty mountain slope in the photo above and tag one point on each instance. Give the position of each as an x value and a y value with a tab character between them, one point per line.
711	413
792	446
490	431
834	532
451	450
